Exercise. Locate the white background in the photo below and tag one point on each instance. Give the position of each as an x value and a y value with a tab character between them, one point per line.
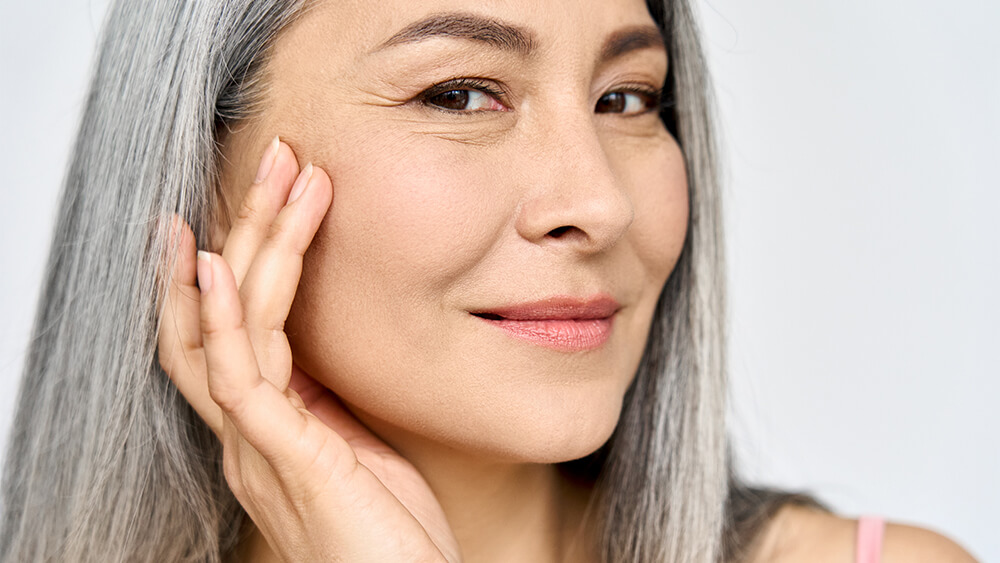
862	202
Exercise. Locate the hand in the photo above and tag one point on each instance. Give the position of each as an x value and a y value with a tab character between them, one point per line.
317	483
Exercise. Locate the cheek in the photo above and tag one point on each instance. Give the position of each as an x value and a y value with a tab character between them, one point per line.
405	210
414	217
410	215
658	186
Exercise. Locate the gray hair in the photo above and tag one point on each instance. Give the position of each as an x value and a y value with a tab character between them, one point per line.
107	462
664	480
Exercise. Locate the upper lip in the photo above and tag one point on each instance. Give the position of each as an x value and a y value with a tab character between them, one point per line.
560	307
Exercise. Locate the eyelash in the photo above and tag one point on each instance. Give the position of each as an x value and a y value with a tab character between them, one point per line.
654	97
474	84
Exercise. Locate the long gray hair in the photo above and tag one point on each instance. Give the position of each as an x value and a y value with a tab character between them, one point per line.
108	463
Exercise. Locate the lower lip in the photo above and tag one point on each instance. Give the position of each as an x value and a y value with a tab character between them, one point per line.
571	335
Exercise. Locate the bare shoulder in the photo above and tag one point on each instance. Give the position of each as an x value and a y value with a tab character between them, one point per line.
805	534
911	543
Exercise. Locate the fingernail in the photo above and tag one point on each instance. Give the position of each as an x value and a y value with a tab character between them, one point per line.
204	271
300	183
267	161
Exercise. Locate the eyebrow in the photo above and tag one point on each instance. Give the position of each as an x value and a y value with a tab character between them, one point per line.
625	41
507	37
500	35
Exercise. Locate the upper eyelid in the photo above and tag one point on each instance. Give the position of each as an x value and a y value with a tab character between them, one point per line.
655	93
466	83
636	84
638	89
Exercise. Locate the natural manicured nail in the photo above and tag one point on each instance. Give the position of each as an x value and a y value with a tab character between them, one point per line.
300	183
267	161
204	271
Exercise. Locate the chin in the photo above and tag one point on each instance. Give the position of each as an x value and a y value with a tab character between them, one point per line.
560	433
569	447
548	425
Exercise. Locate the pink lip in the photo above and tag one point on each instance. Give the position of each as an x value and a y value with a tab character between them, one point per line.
561	323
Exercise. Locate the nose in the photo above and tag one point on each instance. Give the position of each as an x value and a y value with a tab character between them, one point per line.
574	199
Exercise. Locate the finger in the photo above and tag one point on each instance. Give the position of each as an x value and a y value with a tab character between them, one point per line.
269	287
179	339
259	411
263	201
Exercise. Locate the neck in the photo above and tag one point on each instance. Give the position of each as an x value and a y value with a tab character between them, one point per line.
498	511
507	511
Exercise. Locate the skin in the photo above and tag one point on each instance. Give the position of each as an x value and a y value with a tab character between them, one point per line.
803	534
328	340
533	194
437	214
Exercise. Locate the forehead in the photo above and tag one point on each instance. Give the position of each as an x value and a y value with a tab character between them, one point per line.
355	28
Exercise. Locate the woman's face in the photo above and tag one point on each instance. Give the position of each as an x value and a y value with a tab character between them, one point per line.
498	158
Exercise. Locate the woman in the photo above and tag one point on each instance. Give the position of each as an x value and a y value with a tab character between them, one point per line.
518	261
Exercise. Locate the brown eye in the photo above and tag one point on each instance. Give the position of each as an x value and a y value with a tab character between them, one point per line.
455	100
463	96
629	103
611	103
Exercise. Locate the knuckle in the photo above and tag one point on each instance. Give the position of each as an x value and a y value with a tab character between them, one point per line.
287	236
249	210
279	230
212	327
229	399
268	334
235	399
208	327
328	461
295	399
311	479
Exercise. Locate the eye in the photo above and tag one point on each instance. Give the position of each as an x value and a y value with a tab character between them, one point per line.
465	100
628	102
464	96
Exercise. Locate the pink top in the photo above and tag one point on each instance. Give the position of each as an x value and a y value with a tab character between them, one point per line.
870	530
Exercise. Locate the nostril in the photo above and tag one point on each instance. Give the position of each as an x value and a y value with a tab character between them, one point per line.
559	232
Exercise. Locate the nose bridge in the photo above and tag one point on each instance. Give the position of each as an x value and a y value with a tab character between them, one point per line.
577	198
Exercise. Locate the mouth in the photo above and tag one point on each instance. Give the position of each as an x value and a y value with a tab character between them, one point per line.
488	316
560	323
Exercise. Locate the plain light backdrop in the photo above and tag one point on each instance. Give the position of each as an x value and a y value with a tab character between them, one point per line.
862	202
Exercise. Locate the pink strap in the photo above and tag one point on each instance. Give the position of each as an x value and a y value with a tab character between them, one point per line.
870	530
